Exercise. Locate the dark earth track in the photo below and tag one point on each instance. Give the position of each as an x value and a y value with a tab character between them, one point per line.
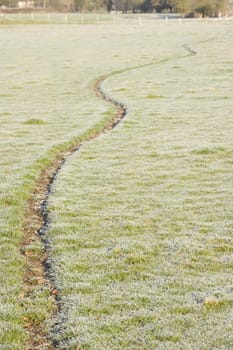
39	265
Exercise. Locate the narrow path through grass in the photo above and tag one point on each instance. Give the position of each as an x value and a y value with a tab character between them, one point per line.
36	244
38	265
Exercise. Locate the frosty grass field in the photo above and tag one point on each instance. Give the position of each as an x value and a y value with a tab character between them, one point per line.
141	217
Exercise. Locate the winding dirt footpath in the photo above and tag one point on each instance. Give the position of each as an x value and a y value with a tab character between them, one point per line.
38	267
38	262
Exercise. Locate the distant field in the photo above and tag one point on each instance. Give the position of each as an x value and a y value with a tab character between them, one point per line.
141	217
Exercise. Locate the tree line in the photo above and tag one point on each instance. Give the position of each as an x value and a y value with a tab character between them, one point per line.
186	7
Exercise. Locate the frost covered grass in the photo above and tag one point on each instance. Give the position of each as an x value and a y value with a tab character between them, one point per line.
142	216
47	102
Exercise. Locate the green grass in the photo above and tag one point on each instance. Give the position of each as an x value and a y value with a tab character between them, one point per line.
35	122
141	217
